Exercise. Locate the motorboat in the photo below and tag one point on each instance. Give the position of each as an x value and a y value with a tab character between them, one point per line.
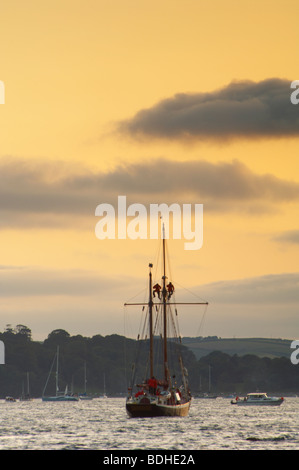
10	399
258	399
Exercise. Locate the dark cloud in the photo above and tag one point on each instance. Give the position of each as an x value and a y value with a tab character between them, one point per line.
278	289
263	306
241	109
45	188
200	179
27	281
290	236
30	197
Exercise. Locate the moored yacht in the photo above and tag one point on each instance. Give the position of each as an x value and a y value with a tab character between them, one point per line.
59	396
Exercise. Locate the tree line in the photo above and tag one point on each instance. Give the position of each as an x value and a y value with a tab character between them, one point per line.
108	362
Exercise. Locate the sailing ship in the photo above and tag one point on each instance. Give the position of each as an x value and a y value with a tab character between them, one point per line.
84	396
60	396
162	396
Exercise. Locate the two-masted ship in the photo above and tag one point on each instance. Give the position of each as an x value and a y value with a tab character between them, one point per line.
163	391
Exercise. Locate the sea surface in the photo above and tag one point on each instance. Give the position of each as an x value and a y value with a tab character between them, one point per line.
102	424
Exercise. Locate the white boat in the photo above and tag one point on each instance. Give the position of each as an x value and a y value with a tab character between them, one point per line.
60	396
258	399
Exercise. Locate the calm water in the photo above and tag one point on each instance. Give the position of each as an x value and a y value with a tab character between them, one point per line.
102	424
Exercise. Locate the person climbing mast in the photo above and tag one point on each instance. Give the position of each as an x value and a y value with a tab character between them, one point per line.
157	290
170	289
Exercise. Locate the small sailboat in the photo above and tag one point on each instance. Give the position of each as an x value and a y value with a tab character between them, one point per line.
208	395
60	396
26	397
104	394
162	396
84	396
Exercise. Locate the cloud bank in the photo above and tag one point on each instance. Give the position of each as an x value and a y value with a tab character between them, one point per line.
241	109
290	236
263	306
26	281
272	289
30	198
70	299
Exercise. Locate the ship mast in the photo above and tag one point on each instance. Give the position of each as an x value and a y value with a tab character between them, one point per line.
150	307
164	294
166	303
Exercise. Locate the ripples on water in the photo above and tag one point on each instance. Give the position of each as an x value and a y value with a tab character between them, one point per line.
102	424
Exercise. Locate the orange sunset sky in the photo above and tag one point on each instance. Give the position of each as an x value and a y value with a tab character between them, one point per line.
175	101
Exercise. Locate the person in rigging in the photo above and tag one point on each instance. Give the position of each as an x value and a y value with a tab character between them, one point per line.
157	290
170	289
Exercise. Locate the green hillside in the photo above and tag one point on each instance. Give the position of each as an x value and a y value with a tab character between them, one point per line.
261	347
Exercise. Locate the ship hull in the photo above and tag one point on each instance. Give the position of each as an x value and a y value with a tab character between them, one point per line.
258	399
151	410
62	398
262	403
